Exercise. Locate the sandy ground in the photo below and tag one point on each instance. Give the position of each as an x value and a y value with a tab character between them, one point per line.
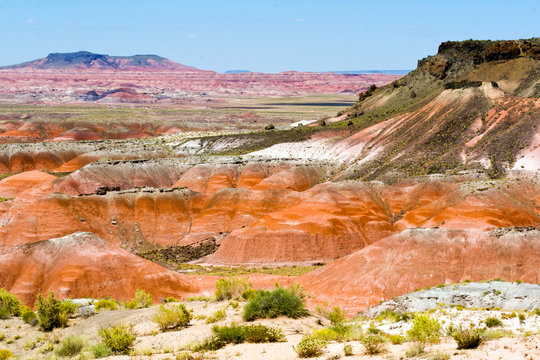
27	342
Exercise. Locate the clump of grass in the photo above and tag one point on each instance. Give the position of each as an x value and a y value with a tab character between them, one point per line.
273	303
53	313
374	343
468	338
310	346
231	288
100	350
172	318
106	304
493	322
393	316
9	304
70	346
118	338
171	299
217	316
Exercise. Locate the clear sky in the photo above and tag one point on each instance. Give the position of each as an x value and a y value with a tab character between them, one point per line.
258	35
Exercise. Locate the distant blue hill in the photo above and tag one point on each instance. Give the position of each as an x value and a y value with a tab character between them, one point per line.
237	71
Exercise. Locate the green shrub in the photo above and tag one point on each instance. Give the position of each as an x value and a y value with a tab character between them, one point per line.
274	303
106	304
5	354
131	305
217	316
211	343
493	334
346	332
231	288
347	350
416	349
337	315
374	343
9	304
118	338
171	299
249	294
100	350
396	339
310	346
237	334
172	318
142	298
393	316
53	313
521	317
264	334
425	330
70	346
30	317
493	322
467	338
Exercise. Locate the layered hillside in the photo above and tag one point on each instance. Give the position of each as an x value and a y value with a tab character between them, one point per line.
431	179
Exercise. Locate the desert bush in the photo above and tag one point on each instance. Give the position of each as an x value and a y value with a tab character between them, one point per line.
416	349
393	316
274	303
106	304
310	346
493	322
493	334
100	350
231	288
467	338
70	346
9	304
53	313
249	294
5	354
347	350
396	339
374	343
425	330
263	334
30	317
327	334
118	338
217	316
142	298
237	334
337	315
171	299
172	318
347	332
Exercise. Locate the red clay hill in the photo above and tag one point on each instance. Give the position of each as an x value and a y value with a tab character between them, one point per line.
434	178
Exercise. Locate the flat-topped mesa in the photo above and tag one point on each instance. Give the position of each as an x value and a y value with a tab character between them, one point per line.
89	60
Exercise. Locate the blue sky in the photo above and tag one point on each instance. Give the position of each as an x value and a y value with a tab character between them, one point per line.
268	36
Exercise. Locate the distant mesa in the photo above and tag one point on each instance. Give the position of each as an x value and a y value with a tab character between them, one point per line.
237	72
87	60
